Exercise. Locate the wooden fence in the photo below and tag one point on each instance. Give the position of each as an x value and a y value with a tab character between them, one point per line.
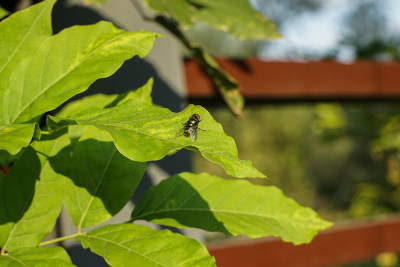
306	81
341	244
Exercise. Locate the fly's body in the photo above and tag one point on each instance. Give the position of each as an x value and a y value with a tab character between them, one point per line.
190	127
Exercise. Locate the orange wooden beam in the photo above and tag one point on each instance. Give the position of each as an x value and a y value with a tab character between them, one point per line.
291	80
341	244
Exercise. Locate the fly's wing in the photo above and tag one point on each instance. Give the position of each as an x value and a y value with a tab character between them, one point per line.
180	131
193	133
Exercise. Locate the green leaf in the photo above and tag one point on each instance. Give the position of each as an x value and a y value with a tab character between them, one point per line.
236	17
3	12
62	67
233	207
102	180
97	100
136	245
142	94
19	33
37	257
144	132
31	194
227	85
16	136
107	101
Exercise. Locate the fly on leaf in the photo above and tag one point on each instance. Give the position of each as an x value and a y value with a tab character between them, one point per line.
190	127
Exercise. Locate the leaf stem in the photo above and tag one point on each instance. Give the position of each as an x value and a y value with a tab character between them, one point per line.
56	240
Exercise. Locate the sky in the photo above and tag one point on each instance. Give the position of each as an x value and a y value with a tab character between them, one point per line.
318	32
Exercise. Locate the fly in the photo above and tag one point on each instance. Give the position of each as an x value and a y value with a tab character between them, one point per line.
190	127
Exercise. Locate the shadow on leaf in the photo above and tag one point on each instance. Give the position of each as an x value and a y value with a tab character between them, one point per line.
18	187
102	180
174	202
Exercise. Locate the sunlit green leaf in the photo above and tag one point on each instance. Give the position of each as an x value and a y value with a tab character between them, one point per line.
144	132
236	17
19	33
142	94
102	180
31	194
135	245
63	67
37	257
16	136
97	100
106	101
233	207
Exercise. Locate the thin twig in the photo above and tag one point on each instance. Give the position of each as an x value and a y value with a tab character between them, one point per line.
56	240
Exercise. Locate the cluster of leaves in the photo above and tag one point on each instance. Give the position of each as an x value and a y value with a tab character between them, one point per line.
91	157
